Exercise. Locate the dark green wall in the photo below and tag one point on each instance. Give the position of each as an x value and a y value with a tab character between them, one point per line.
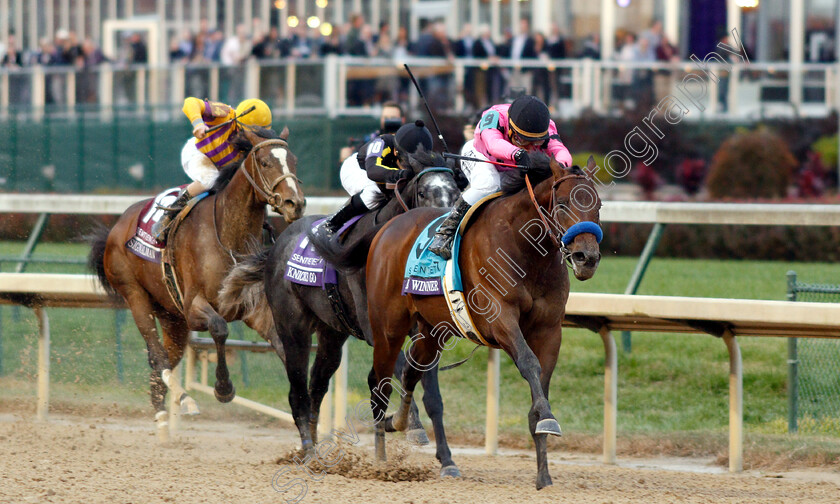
90	155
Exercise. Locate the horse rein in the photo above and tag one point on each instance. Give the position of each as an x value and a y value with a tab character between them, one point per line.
556	239
263	187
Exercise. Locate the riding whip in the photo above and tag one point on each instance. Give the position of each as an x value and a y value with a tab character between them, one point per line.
247	111
467	158
437	128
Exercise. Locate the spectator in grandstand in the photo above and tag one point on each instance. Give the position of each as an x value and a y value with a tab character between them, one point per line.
463	48
592	47
540	77
12	56
213	45
488	77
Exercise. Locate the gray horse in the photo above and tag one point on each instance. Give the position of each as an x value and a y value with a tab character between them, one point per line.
257	286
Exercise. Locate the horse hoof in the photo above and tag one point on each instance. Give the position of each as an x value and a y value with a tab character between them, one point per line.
450	471
544	483
224	397
189	407
308	449
548	426
417	437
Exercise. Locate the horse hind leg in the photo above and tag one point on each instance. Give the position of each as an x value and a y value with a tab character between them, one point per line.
415	433
422	356
202	317
433	403
175	334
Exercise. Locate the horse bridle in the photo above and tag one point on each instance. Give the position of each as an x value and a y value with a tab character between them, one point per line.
423	172
556	239
273	198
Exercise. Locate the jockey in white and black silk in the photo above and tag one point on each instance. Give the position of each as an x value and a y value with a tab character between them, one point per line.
366	175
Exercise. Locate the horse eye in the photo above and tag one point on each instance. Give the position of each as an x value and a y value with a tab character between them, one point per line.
421	194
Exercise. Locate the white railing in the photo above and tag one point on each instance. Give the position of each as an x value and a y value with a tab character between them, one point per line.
325	85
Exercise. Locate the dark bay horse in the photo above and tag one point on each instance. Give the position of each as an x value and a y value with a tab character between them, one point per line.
257	284
519	307
203	248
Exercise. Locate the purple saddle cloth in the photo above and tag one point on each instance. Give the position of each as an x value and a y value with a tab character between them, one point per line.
306	266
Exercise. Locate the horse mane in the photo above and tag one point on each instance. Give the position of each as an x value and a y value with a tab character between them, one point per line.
513	181
240	142
422	159
352	255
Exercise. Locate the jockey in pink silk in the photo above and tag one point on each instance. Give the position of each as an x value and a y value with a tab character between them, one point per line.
505	133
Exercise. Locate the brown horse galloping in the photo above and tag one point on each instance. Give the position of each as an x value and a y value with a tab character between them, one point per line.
515	280
203	246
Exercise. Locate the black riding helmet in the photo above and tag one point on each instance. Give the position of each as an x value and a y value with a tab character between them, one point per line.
412	135
529	118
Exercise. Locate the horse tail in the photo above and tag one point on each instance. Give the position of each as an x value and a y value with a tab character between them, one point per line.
243	294
98	239
348	256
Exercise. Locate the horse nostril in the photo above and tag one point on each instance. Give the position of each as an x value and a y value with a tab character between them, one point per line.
578	257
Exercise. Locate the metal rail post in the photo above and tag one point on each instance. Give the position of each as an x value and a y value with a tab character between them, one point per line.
32	242
639	273
610	395
325	416
43	363
793	364
340	415
119	322
173	406
736	403
491	427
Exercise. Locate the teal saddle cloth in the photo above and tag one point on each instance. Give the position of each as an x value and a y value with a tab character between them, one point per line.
424	269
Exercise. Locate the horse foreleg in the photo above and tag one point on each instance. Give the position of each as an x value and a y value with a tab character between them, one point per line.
202	317
540	420
296	341
327	360
175	334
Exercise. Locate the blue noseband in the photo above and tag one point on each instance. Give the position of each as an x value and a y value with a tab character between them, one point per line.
581	228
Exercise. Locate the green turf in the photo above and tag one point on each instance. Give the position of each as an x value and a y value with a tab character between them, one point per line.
669	383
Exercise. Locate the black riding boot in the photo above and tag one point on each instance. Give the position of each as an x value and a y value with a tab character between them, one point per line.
355	206
442	244
159	229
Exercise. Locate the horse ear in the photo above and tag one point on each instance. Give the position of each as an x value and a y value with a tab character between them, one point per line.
285	133
590	164
556	168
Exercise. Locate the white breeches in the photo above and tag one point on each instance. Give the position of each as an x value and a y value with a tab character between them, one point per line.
197	166
483	177
355	181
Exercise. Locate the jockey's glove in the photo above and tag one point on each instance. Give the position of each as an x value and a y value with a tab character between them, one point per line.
522	159
397	175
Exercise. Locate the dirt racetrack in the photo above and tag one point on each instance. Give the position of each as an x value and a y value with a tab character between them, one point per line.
118	460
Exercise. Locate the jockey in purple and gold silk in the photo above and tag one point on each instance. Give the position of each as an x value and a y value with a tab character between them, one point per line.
203	155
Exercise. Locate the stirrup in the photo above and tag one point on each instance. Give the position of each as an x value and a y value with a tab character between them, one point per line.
324	230
442	245
160	228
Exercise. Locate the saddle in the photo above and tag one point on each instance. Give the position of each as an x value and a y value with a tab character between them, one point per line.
427	274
